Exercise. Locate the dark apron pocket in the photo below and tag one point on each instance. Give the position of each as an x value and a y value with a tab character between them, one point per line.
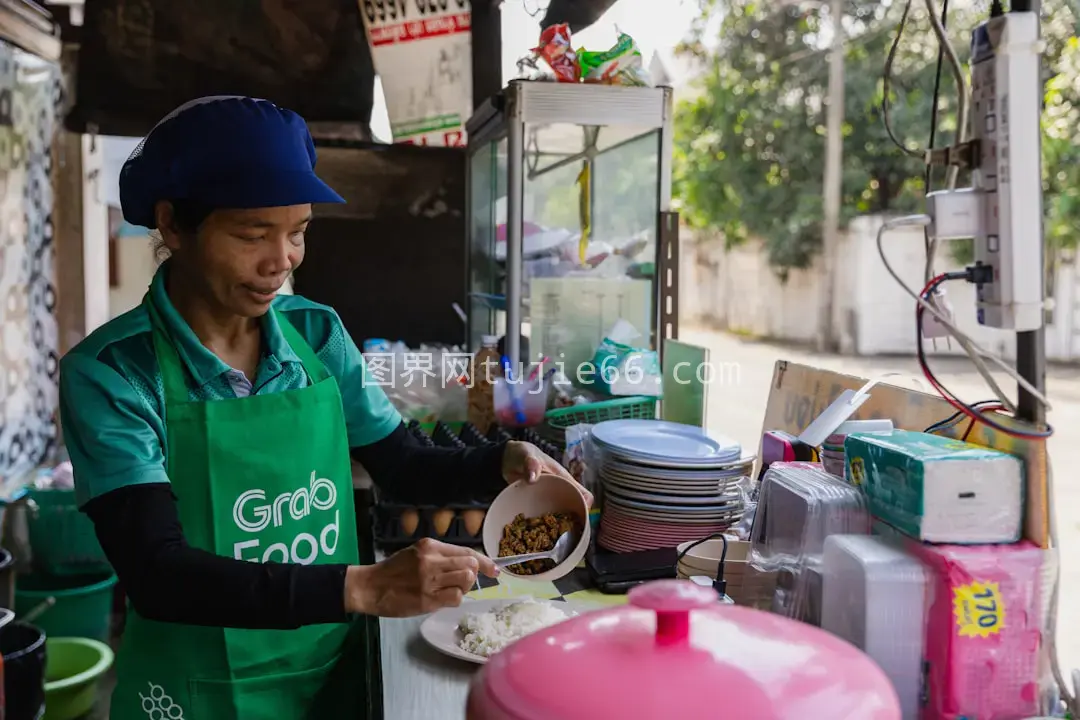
270	697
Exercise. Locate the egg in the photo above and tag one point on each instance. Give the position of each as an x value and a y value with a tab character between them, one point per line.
441	519
409	520
474	521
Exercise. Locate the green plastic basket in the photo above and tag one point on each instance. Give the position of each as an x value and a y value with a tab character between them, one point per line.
625	408
62	539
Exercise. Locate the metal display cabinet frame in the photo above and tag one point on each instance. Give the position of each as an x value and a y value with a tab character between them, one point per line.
524	104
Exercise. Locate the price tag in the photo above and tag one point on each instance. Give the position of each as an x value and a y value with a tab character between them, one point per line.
392	11
422	51
979	609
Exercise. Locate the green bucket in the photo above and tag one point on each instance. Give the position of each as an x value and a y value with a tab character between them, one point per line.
73	672
62	538
68	605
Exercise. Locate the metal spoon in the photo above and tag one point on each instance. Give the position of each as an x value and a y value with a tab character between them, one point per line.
563	547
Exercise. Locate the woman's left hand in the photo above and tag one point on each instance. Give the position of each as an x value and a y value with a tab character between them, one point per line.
525	461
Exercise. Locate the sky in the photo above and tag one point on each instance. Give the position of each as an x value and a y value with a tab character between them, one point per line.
653	31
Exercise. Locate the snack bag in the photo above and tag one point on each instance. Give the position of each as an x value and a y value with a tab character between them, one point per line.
557	52
621	65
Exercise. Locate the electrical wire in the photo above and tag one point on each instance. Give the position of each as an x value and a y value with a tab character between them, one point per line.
1071	701
946	51
928	174
957	417
950	397
973	351
930	245
535	12
923	220
938	23
887	80
980	366
970	427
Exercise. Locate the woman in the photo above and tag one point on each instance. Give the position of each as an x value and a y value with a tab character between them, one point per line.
210	431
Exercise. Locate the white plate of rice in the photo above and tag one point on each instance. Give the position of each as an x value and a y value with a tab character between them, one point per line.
480	628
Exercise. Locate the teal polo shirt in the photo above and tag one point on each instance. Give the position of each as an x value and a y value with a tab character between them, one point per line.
112	401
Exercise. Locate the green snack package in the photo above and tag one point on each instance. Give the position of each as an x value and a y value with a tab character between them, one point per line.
621	65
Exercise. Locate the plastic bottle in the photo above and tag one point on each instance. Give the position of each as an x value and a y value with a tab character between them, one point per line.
484	370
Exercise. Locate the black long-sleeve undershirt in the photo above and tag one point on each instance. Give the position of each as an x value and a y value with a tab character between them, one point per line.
168	580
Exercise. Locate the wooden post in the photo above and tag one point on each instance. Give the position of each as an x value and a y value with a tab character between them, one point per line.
834	175
486	35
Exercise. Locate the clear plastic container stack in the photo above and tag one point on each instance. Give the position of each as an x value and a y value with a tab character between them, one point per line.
799	506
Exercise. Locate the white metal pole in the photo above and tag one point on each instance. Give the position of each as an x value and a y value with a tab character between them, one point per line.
515	146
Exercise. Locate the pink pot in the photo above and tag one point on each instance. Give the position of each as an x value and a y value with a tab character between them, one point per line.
675	652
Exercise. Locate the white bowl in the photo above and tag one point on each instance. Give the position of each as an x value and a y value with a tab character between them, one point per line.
550	493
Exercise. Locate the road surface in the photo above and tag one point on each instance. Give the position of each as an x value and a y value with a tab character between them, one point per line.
737	408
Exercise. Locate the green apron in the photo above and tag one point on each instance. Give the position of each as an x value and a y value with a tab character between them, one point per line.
266	478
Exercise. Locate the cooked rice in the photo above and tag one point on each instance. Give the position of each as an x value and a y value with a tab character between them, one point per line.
487	633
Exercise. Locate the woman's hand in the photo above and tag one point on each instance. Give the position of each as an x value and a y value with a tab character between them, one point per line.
525	461
420	579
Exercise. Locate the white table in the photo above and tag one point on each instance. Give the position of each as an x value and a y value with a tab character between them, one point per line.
420	683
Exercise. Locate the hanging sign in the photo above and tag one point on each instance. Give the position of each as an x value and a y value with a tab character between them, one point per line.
422	51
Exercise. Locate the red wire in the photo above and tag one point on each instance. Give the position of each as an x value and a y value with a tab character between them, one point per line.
955	402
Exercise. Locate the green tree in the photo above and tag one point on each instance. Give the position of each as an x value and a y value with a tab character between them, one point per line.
750	147
1061	150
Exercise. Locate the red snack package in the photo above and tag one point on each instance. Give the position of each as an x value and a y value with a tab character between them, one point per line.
557	52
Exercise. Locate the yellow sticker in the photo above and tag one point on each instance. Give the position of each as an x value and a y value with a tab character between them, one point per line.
858	471
979	609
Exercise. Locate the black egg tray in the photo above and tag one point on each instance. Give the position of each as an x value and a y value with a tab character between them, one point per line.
389	535
386	512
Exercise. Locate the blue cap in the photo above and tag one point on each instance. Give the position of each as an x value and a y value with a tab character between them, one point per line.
223	152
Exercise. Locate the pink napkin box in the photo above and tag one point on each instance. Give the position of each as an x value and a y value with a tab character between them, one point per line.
984	630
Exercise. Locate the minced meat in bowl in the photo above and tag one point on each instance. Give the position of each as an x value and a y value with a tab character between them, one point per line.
531	535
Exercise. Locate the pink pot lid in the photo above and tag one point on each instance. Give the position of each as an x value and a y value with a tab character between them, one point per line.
676	652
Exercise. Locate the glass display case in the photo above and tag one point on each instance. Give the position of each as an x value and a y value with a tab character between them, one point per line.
569	221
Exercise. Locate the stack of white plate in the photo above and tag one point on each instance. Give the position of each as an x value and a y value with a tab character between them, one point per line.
665	483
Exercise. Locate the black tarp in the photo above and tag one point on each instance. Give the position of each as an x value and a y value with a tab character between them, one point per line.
579	14
391	260
139	59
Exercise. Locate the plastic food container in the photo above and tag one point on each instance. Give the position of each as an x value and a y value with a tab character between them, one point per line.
675	652
520	404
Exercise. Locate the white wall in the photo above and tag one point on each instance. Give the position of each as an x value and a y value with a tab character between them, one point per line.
738	291
136	263
95	235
